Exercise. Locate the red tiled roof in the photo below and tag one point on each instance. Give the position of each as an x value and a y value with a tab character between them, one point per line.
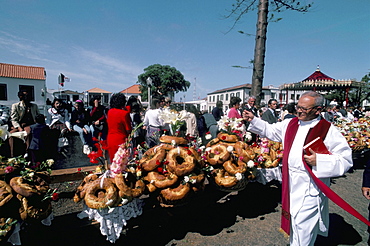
318	75
134	89
98	90
22	72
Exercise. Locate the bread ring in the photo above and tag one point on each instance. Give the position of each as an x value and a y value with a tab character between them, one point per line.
123	189
5	193
232	168
172	139
34	209
98	197
22	187
218	154
175	194
166	146
230	138
212	142
199	182
151	157
151	187
180	162
139	188
81	189
161	180
225	179
244	151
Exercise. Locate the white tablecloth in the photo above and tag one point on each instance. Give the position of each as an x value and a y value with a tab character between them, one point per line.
112	220
265	175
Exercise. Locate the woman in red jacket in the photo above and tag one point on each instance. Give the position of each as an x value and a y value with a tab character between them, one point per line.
119	123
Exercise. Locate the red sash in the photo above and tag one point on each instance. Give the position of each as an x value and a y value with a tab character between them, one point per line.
321	130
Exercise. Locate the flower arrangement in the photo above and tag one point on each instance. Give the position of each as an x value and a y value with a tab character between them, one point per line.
356	132
234	126
174	118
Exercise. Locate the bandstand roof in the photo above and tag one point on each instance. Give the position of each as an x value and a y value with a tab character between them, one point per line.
321	82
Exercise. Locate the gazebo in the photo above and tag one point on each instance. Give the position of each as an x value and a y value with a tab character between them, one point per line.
318	81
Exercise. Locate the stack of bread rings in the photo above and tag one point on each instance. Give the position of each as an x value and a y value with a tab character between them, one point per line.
105	192
172	171
24	197
229	157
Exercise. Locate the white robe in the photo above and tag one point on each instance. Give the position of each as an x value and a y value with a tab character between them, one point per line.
305	197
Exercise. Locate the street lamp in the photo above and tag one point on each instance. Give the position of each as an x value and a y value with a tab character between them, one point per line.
149	83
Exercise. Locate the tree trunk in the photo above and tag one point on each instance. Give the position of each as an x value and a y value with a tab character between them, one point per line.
259	51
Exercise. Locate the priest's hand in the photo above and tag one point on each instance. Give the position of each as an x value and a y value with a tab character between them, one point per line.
248	115
310	159
366	192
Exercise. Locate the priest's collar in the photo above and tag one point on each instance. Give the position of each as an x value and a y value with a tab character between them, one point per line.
310	122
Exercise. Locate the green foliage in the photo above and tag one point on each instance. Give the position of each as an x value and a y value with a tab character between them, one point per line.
166	81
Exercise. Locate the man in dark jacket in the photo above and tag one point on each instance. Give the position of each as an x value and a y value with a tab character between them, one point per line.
270	114
39	137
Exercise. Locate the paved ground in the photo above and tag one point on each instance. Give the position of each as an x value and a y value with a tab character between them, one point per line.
249	217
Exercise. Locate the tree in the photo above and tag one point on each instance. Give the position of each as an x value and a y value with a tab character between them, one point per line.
166	81
359	95
265	7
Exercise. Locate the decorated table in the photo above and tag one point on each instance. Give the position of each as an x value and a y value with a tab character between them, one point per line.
172	172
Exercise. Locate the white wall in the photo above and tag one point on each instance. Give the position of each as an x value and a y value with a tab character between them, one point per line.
13	88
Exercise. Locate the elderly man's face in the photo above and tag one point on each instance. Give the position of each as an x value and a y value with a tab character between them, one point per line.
251	102
306	109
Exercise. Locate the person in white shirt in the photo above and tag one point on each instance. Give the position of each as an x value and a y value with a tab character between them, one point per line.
153	124
309	212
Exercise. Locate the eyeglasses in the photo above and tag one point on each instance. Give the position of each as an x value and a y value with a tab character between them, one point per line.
304	109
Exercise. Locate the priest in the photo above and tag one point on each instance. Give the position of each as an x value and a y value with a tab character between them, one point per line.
305	212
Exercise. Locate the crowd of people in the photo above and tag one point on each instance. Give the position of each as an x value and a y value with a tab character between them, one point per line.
305	207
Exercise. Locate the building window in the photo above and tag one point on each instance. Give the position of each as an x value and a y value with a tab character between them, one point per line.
210	99
214	98
218	98
298	96
263	96
3	92
75	97
30	89
226	97
292	96
238	94
273	95
231	95
209	109
222	97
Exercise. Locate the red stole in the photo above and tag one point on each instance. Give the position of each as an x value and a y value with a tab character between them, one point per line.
321	129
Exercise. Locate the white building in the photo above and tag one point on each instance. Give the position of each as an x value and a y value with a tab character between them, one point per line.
14	78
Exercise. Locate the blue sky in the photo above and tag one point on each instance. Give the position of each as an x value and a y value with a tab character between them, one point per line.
108	43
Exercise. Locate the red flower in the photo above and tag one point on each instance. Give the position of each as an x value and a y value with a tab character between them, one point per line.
55	196
189	152
157	162
95	139
208	132
104	144
9	169
79	169
94	161
159	169
223	137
